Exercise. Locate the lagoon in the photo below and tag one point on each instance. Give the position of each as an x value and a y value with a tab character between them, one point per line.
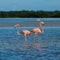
12	46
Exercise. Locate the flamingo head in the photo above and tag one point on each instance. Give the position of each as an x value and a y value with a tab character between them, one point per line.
17	25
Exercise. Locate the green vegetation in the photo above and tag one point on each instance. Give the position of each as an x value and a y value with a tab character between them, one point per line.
29	14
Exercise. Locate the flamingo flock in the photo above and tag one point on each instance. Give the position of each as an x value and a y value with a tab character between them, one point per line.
28	32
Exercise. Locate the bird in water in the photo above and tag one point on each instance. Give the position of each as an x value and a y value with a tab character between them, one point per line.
25	32
38	30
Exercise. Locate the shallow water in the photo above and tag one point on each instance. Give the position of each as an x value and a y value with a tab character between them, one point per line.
13	47
29	22
27	19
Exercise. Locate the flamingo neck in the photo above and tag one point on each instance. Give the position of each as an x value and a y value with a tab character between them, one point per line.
42	29
18	33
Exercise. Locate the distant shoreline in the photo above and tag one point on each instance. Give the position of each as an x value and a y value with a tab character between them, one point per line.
29	14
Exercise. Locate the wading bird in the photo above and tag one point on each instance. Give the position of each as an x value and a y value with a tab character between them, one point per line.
25	32
38	30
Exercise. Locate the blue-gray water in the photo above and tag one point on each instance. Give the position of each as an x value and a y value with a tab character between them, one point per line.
26	19
12	46
28	22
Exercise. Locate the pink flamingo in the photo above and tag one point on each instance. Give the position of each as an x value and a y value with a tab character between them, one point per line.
25	32
37	30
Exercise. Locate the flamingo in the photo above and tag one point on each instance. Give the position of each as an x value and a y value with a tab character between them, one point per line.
37	30
25	32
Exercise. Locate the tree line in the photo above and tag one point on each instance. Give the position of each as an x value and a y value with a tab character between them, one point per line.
29	14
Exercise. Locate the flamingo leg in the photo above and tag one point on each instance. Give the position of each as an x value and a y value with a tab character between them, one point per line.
26	42
42	29
35	40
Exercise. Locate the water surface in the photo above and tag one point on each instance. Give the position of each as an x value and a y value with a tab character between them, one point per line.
13	47
28	22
